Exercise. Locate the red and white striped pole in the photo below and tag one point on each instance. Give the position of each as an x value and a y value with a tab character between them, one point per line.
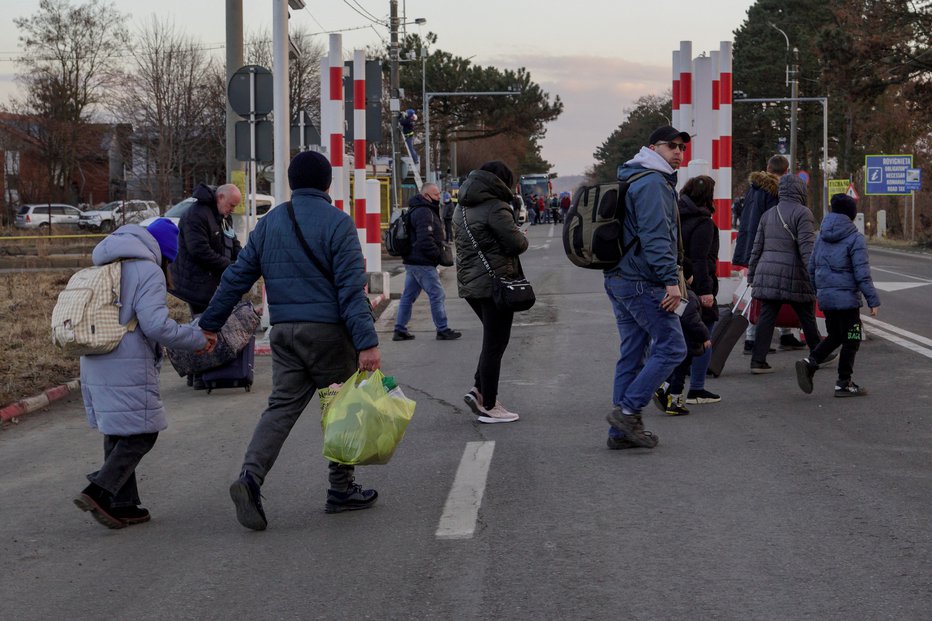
675	114
373	226
359	149
336	116
723	184
686	116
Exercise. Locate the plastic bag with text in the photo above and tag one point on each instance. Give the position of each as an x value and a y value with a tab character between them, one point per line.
365	421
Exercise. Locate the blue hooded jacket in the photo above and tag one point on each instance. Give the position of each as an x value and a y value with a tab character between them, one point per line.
839	266
651	204
296	290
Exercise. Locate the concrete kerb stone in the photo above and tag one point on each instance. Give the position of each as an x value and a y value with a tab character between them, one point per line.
29	405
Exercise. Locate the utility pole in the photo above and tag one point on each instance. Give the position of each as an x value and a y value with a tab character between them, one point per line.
393	95
794	105
234	45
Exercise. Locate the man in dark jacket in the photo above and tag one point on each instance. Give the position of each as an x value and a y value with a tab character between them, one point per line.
761	196
778	268
421	265
644	286
207	245
323	328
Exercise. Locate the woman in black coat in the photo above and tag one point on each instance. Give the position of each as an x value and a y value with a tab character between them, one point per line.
485	218
700	245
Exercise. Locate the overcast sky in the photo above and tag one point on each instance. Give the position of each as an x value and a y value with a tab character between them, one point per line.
598	55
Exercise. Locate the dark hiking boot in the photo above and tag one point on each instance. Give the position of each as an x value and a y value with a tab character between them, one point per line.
245	494
760	368
632	427
623	442
696	397
805	370
353	499
849	389
788	342
402	335
131	515
448	335
97	500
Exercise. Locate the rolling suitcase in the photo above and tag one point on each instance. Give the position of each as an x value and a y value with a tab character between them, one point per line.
235	374
729	329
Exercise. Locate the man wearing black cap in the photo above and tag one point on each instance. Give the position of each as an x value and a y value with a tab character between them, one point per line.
644	286
323	328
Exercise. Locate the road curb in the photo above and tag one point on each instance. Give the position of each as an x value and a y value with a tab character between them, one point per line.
29	405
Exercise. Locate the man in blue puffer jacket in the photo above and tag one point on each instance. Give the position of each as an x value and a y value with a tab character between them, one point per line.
840	271
322	323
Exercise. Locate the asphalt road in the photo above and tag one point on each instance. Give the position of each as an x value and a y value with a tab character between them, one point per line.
770	505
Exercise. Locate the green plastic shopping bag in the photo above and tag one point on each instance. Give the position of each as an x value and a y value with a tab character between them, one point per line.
365	422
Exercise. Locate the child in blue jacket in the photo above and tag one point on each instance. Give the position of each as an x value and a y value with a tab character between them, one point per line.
840	271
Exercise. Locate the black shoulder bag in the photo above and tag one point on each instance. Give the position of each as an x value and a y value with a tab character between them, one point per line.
509	294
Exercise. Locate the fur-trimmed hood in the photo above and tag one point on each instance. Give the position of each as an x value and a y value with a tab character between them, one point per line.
766	181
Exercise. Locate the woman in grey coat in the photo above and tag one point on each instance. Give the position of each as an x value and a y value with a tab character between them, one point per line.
485	208
121	388
778	269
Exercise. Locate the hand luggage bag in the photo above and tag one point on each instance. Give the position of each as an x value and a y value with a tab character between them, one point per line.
235	374
728	330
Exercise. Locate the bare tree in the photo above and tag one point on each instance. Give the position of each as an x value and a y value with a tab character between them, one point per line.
303	71
70	53
164	97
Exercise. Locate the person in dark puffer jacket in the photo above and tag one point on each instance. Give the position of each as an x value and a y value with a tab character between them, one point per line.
841	272
778	269
207	245
485	208
322	324
421	265
700	246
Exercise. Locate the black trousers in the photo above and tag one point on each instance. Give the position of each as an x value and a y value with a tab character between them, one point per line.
768	317
448	229
844	328
118	474
496	331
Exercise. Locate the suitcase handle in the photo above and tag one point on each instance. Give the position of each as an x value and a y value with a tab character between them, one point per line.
744	292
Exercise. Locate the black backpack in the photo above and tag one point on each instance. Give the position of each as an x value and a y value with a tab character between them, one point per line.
399	233
592	233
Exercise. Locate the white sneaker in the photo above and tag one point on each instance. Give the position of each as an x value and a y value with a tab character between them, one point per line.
498	414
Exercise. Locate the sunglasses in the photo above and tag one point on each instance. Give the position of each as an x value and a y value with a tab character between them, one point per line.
674	145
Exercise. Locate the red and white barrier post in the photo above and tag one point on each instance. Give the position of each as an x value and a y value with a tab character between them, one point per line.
335	120
359	150
723	183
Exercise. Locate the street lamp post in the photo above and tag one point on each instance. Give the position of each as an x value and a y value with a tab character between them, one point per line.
794	92
428	96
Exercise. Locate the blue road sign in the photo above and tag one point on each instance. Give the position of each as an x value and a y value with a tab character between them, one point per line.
886	174
914	179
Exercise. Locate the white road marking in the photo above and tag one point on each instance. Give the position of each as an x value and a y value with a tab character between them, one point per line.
553	228
462	509
898	286
925	351
876	324
880	269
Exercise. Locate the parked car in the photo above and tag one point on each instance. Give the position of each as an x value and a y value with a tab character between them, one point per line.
264	204
41	215
117	213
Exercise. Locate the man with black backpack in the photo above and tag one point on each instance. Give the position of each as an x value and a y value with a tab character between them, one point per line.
421	261
644	286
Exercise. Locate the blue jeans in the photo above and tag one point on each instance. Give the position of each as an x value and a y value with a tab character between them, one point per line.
418	277
701	365
652	342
